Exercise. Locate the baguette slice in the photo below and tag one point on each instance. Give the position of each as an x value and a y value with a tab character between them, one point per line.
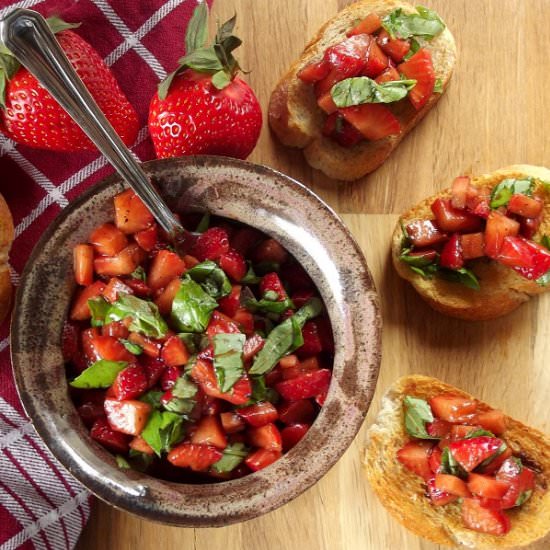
297	120
502	289
6	238
403	493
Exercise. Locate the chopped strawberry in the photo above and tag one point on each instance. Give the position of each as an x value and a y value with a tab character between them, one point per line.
438	428
230	304
487	486
244	320
259	414
291	435
312	340
313	72
245	239
477	201
373	120
209	432
326	104
272	283
261	458
139	287
297	277
196	457
108	240
130	383
414	455
302	367
377	61
234	264
139	444
80	310
347	58
470	453
165	267
369	25
530	259
304	386
473	245
452	219
83	262
69	341
150	346
520	479
497	229
484	520
131	215
115	287
166	298
460	431
128	417
495	464
340	130
321	397
391	74
266	437
525	206
451	255
174	353
252	346
437	496
109	438
424	233
270	250
153	369
90	411
452	485
211	244
396	48
89	337
169	377
301	297
494	421
109	348
296	412
451	408
459	192
124	263
148	238
420	68
221	324
232	422
434	459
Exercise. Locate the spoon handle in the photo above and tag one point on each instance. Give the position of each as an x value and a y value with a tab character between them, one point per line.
27	35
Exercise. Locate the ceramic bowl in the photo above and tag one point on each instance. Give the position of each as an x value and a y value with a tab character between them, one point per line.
278	206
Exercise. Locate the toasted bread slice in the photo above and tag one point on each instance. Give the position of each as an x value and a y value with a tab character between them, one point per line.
502	289
6	238
403	493
297	120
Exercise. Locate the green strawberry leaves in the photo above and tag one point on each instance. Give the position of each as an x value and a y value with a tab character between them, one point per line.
216	59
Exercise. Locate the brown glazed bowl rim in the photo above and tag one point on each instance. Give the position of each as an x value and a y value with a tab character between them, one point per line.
311	231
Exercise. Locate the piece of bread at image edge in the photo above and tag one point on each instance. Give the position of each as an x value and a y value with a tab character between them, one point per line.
403	493
297	120
6	238
501	289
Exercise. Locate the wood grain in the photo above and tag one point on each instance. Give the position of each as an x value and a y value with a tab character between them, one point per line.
494	114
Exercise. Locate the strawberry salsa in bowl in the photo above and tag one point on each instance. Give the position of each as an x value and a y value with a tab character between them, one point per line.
205	387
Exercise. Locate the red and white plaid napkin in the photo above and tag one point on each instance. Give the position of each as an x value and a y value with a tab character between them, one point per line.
41	505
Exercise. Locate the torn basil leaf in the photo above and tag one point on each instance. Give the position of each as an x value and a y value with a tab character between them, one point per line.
544	280
212	279
362	89
425	23
417	414
233	455
204	224
250	278
545	241
145	315
463	276
152	397
139	273
449	465
99	375
427	272
524	496
192	307
261	392
191	340
269	306
416	260
487	461
131	347
122	463
99	308
438	86
478	433
502	193
228	359
163	430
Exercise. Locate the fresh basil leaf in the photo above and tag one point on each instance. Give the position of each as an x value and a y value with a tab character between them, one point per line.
427	272
99	308
487	461
152	397
417	261
204	224
425	23
260	392
545	241
478	433
192	307
405	239
269	306
131	347
122	463
449	465
212	278
417	413
184	388
163	430
99	375
233	455
191	340
544	280
502	193
180	406
438	86
139	461
139	273
285	337
463	276
145	315
362	89
250	278
228	359
523	497
262	268
197	29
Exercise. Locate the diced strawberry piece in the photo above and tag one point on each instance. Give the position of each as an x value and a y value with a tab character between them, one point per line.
414	455
423	233
252	346
296	412
341	131
131	215
259	414
221	324
373	120
209	405
304	386
396	48
312	340
369	25
490	503
301	297
83	260
165	267
496	462
234	264
313	72
460	431
437	496
459	192
348	57
128	417
89	337
377	61
470	453
261	458
326	104
153	369
169	377
434	459
451	255
541	262
190	261
230	304
89	412
525	206
148	238
451	408
487	486
109	438
452	219
477	201
111	349
209	432
389	75
270	250
69	341
302	367
245	239
497	229
108	240
166	298
297	277
494	421
244	320
420	68
174	353
531	260
115	287
291	435
196	457
80	310
232	422
438	428
139	444
266	437
321	398
473	245
452	485
211	244
520	483
289	361
426	255
484	520
138	287
150	346
130	383
124	263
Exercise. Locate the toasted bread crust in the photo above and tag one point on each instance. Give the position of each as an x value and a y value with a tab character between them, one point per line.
297	120
6	238
502	289
403	493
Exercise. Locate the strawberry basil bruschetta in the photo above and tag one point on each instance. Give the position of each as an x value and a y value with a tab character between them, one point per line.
196	368
367	78
456	471
480	249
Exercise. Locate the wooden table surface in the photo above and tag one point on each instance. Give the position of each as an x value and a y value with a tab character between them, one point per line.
495	113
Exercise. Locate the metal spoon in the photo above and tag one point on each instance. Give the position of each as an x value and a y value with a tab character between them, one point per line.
27	35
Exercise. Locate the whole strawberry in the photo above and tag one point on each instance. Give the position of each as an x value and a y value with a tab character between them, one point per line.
31	116
202	107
